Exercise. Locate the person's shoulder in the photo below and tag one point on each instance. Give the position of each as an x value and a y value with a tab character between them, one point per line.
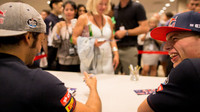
83	17
61	23
42	77
49	17
136	3
193	61
190	66
108	18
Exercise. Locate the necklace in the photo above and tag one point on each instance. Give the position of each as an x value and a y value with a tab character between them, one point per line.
98	24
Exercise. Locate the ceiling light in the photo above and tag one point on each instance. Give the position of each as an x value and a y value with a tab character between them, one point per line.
171	0
48	2
167	4
164	8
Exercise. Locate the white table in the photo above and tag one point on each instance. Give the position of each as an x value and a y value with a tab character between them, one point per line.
116	91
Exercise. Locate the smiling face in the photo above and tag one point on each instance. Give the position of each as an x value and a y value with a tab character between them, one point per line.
182	45
69	11
102	6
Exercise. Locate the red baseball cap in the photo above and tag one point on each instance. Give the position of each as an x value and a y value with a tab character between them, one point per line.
188	21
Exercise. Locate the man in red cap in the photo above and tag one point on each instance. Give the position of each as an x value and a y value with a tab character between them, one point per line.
180	92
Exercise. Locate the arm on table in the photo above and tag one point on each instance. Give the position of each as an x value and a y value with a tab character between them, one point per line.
93	103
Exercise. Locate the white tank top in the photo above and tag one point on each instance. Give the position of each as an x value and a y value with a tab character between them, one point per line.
104	63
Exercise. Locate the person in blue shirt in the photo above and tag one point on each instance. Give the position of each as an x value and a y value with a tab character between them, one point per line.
32	90
180	91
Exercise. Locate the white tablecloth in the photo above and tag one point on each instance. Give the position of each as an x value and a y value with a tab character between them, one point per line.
116	91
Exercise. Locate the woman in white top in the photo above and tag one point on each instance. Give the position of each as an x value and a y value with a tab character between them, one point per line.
101	29
68	59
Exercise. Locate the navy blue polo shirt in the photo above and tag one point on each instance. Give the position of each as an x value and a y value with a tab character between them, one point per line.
181	91
51	21
31	90
129	17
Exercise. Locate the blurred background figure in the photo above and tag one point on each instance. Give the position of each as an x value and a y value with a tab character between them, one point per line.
111	12
131	21
50	21
165	18
192	5
81	9
165	59
150	61
44	14
62	32
94	37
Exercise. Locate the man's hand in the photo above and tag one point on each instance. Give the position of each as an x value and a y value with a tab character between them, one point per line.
120	34
90	80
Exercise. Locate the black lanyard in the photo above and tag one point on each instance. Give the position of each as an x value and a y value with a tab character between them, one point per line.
98	24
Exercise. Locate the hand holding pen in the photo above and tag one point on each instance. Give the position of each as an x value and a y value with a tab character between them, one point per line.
90	80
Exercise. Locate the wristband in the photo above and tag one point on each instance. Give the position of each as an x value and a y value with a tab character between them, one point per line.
126	32
114	49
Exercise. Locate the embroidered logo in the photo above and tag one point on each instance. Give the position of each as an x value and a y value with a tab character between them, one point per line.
70	105
173	22
65	99
32	23
2	14
160	88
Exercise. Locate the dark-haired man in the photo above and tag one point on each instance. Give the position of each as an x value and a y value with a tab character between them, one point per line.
51	20
32	90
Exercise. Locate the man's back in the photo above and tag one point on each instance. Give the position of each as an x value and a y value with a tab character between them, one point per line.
24	89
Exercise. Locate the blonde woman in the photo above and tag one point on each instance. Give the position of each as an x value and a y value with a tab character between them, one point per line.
103	58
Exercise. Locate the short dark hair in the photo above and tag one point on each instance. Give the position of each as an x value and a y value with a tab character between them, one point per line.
169	14
70	2
81	5
47	11
54	1
14	40
11	40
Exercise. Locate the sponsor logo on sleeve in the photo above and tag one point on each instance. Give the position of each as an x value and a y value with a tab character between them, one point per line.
70	105
65	99
160	88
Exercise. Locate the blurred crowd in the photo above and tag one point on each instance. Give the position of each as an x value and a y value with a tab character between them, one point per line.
104	39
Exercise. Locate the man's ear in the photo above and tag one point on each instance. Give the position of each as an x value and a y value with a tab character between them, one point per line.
28	39
54	5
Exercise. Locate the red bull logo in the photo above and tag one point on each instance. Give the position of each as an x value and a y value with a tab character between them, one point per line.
2	13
